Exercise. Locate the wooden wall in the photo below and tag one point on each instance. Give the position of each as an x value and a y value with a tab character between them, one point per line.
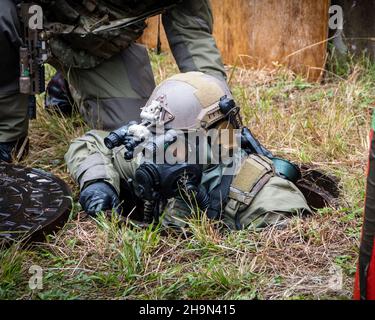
267	33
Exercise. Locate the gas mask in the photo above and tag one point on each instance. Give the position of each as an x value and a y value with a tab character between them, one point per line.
156	183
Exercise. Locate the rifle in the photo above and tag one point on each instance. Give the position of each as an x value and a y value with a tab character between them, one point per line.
33	54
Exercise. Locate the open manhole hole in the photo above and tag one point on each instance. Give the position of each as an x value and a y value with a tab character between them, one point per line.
33	203
320	189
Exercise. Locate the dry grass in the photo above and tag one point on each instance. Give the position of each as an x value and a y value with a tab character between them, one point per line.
321	124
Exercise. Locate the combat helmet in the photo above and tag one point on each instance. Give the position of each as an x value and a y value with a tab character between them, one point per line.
187	101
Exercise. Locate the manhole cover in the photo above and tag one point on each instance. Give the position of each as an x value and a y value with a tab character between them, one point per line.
32	203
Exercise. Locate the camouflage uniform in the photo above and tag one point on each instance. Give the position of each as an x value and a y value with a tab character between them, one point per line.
192	102
112	85
88	159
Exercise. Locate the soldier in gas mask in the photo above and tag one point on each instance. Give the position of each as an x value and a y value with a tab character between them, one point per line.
129	165
92	42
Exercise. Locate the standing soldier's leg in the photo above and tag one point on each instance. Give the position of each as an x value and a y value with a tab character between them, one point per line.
13	105
113	93
365	278
189	28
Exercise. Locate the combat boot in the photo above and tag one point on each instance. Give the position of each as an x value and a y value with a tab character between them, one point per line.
16	150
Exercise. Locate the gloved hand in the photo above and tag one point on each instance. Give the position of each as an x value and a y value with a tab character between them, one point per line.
58	96
97	197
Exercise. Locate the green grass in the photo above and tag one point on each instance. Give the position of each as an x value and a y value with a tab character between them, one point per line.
324	125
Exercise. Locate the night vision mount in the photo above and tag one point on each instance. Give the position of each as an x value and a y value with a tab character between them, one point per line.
155	183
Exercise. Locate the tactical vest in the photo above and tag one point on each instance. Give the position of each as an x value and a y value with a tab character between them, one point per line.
259	195
253	175
83	33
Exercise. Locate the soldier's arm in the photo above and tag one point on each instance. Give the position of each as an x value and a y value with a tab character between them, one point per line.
189	28
89	160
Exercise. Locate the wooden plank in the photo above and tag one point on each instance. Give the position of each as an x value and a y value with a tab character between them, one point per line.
150	36
265	33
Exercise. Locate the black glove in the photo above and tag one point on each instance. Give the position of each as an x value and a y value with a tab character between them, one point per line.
97	197
58	96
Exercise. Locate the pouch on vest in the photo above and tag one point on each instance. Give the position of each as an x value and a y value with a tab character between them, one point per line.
83	34
253	175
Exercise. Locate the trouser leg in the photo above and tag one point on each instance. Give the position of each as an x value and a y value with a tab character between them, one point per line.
13	117
13	105
112	94
189	28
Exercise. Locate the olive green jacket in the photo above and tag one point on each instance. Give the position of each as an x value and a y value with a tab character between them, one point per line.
88	159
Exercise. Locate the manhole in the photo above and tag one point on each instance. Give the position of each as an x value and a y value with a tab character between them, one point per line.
33	203
320	189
